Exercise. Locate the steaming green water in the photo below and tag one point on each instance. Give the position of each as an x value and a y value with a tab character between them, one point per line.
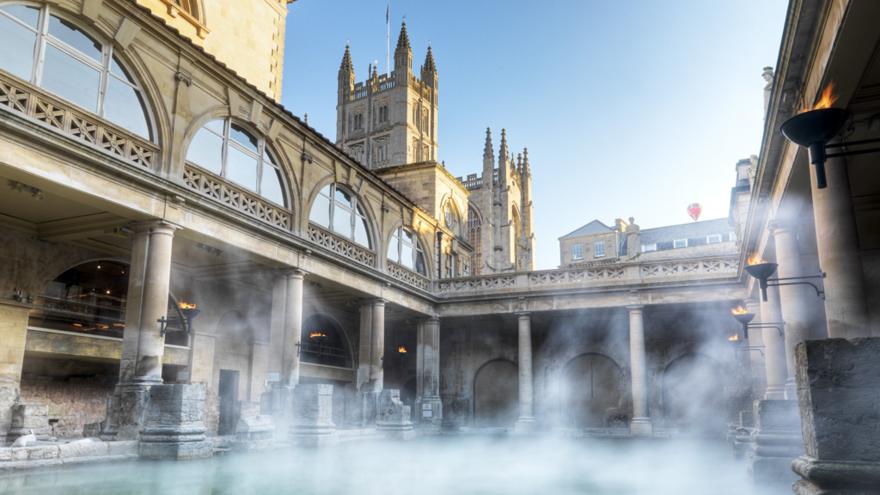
423	467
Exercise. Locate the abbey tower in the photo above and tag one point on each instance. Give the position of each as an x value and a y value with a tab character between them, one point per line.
389	119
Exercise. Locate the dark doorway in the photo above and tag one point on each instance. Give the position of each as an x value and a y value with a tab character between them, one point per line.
496	394
593	387
228	391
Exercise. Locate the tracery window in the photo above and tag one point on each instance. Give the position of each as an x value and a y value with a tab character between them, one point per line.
51	52
227	149
405	249
338	210
451	218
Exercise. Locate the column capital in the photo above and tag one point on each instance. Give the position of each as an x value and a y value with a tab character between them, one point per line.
431	319
294	273
779	226
635	307
156	226
523	315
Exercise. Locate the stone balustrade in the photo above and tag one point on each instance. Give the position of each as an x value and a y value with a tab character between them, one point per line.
409	277
344	247
28	101
620	274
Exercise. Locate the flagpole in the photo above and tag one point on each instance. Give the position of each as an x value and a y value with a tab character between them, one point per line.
388	39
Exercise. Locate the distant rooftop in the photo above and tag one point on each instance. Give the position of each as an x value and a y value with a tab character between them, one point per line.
594	227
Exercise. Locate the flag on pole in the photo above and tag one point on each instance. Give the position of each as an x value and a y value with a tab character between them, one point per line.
388	12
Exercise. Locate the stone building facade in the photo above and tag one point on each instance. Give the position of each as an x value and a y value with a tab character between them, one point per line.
180	180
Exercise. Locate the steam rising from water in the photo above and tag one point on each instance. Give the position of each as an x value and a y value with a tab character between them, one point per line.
462	465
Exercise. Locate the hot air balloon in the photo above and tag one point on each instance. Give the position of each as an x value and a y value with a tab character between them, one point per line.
694	210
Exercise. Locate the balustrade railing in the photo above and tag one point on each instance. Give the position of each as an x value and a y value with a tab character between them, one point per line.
625	273
408	276
236	197
31	102
340	246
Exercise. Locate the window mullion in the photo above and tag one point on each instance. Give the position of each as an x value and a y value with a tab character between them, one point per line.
261	150
106	55
42	28
224	150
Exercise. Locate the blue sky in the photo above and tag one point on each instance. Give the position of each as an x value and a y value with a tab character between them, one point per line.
628	108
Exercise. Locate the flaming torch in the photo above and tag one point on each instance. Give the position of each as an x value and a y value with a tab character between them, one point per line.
401	349
814	127
761	271
743	316
189	310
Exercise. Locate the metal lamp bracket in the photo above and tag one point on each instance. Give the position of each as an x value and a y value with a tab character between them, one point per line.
804	280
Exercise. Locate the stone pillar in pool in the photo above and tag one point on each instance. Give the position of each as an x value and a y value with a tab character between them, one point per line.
312	422
838	386
13	334
174	424
837	243
640	425
293	310
143	343
526	419
429	408
370	374
794	299
774	347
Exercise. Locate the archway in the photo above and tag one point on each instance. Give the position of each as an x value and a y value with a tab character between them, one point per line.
593	388
693	394
323	342
496	394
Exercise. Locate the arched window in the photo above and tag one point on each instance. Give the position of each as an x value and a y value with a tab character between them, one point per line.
323	342
227	149
338	210
405	249
191	7
51	52
91	298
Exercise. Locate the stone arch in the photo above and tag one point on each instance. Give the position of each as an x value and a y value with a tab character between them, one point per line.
692	394
373	229
280	158
593	391
324	341
496	394
157	118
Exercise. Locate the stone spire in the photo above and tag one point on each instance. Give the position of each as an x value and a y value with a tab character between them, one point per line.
346	64
503	161
503	153
488	150
519	162
429	69
403	56
526	170
429	61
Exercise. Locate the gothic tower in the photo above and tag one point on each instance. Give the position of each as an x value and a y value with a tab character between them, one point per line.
500	218
389	119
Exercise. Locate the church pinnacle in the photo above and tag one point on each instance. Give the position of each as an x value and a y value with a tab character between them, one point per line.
487	149
429	62
503	153
403	39
346	60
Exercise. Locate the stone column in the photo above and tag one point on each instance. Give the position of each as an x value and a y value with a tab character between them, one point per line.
293	309
774	348
13	335
371	374
838	245
428	405
526	418
794	299
143	344
147	302
641	420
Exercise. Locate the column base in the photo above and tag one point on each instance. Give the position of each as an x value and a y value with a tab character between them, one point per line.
837	477
791	389
525	424
174	426
126	411
776	441
641	427
313	416
776	392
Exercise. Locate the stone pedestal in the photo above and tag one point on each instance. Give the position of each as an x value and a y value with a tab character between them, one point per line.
27	418
254	431
776	442
429	410
13	334
393	417
838	385
174	425
312	418
126	410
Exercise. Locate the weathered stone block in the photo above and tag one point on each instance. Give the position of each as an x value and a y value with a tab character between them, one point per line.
42	452
393	417
254	430
174	425
86	447
27	417
838	385
312	418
